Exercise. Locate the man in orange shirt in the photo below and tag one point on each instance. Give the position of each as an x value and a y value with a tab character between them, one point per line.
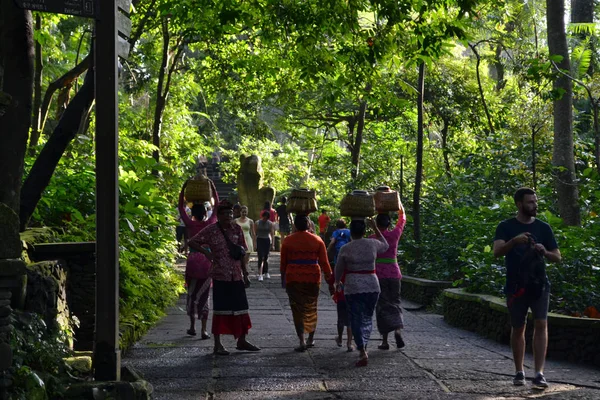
303	259
323	222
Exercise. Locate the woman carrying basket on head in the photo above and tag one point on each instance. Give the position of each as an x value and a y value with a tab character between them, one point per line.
197	265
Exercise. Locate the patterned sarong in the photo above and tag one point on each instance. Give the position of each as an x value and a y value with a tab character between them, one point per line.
230	309
303	302
361	307
389	310
197	297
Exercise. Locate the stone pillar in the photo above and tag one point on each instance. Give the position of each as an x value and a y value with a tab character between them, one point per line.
12	287
251	191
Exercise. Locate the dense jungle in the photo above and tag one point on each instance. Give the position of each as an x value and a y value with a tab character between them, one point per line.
454	103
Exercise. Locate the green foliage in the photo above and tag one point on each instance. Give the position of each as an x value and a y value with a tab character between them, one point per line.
38	370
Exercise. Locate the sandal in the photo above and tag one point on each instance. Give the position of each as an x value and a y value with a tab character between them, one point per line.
362	362
247	347
221	351
300	349
383	346
399	341
350	349
338	341
205	336
310	344
191	332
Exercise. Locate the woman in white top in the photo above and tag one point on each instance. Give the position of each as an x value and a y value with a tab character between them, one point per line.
248	228
357	261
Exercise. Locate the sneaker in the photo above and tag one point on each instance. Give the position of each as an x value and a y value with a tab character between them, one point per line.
519	379
539	381
267	276
260	278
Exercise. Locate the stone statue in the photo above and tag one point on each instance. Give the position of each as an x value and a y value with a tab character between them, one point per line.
251	192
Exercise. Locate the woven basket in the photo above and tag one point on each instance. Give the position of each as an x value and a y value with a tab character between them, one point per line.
198	189
303	194
301	205
386	200
359	203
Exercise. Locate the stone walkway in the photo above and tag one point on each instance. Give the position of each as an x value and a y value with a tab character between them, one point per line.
439	361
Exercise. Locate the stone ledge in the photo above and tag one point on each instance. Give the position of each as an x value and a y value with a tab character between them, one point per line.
131	387
569	338
62	248
422	291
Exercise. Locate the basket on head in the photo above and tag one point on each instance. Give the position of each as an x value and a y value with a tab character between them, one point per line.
359	203
386	200
302	201
198	189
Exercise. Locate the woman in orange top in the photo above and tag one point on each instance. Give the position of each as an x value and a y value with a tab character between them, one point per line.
303	258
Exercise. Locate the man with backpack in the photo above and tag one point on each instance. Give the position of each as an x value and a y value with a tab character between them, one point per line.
525	242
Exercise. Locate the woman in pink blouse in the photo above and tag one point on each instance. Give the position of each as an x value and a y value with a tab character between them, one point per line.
197	265
230	278
389	310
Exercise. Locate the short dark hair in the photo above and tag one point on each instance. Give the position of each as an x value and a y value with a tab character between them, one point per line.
340	224
383	220
267	205
224	205
323	210
358	228
198	211
265	213
283	199
521	193
301	222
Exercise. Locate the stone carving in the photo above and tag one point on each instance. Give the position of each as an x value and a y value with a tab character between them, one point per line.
250	186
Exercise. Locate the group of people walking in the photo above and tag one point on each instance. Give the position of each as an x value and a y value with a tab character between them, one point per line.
365	278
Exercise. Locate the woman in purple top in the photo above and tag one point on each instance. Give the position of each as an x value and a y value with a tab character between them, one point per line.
389	310
197	265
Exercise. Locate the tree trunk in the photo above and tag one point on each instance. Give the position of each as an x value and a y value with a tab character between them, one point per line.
45	164
17	56
562	156
419	168
358	139
582	11
161	95
445	150
37	90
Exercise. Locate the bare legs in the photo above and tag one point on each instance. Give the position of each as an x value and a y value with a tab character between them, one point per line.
540	343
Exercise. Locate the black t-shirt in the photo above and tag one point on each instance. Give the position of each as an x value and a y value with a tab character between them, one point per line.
540	231
284	217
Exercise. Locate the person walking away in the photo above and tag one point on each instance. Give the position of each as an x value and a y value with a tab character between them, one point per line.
517	239
283	219
265	234
303	259
272	212
323	222
181	231
247	226
230	278
339	237
389	306
197	266
357	261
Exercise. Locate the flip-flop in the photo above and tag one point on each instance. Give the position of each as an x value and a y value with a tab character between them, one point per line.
338	341
362	362
383	347
247	347
310	344
350	349
300	349
205	336
221	352
191	332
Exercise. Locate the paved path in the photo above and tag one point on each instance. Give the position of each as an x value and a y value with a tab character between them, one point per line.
439	361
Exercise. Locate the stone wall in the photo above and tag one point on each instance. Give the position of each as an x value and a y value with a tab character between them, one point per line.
47	293
79	261
569	338
422	291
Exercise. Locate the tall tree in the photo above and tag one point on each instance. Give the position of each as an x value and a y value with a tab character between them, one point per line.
563	156
17	55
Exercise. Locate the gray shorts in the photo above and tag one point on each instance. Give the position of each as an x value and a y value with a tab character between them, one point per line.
518	307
